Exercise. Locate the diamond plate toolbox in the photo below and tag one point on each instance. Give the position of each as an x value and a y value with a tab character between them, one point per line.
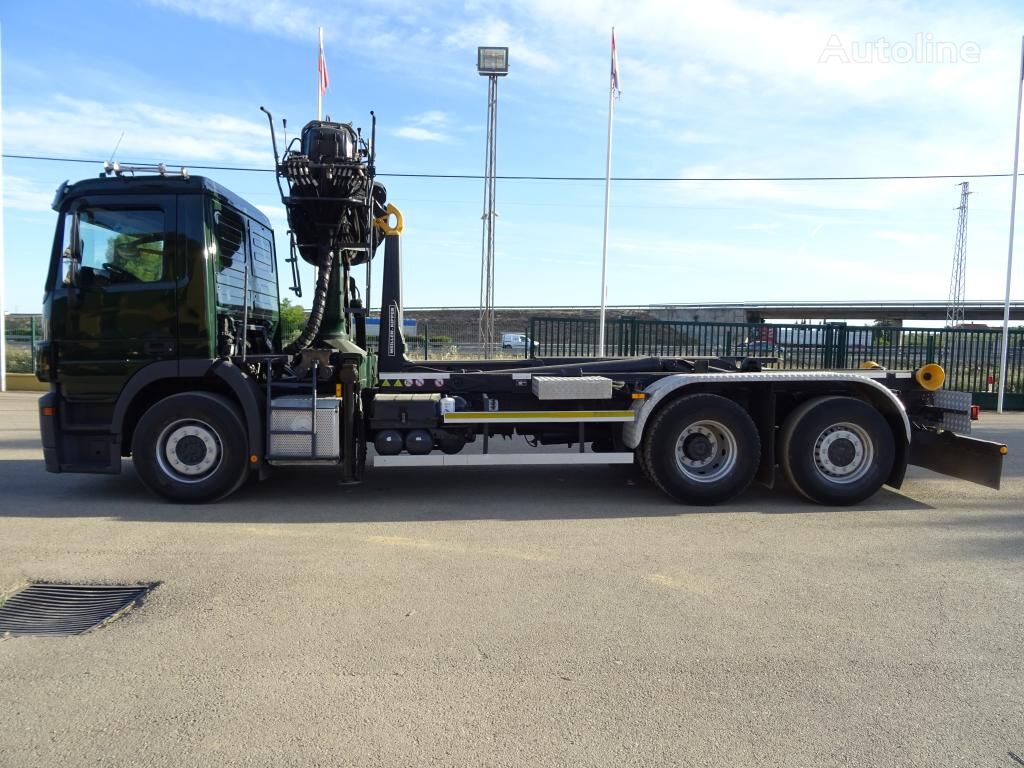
572	387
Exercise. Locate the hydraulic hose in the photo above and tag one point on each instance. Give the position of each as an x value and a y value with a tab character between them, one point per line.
316	314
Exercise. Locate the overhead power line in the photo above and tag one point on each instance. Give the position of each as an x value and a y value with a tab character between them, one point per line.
472	176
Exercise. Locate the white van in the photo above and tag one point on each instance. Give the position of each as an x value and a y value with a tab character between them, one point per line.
517	341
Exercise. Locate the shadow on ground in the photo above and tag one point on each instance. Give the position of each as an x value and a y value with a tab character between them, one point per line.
395	495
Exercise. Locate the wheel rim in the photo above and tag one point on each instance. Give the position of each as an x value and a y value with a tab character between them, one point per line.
706	451
843	453
189	450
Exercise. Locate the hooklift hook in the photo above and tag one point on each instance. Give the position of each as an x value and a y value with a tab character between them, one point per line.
383	223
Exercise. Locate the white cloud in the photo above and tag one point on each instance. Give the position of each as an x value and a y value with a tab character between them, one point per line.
278	217
493	31
754	227
21	194
284	18
432	125
906	238
151	133
419	134
433	118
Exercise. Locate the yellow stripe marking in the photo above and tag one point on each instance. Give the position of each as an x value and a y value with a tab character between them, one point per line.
513	415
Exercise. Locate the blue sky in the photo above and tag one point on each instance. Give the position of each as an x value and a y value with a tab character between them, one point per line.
725	89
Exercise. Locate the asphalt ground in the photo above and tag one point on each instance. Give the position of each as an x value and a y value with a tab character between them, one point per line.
517	617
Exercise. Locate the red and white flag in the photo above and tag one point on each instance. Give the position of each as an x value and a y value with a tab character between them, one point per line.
615	68
321	66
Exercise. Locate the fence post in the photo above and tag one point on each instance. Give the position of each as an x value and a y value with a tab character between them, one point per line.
426	343
929	353
841	343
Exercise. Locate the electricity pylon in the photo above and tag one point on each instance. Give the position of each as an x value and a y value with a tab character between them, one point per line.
955	305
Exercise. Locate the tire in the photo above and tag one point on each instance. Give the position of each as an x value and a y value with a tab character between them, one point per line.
641	464
191	448
836	450
702	449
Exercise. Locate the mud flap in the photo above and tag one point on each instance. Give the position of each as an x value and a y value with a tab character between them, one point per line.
965	458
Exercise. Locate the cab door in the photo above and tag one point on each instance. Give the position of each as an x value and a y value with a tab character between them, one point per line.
114	302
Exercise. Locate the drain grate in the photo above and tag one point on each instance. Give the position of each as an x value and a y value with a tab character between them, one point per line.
65	609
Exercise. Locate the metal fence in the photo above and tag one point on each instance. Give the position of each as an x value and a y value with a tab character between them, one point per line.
23	335
434	340
970	356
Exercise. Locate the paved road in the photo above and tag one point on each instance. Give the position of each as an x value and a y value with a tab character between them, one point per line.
514	617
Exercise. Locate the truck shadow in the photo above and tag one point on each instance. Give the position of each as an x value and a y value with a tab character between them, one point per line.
396	495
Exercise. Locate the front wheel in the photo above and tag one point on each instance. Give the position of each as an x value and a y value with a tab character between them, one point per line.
191	447
836	450
701	449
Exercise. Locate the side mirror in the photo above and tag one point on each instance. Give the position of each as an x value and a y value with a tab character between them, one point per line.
72	266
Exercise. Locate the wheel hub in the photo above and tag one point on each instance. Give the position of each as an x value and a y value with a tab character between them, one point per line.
697	447
706	451
191	450
188	450
843	453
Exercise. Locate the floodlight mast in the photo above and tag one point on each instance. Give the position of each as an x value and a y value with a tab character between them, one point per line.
492	63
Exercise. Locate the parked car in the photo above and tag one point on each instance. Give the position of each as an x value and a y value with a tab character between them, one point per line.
517	341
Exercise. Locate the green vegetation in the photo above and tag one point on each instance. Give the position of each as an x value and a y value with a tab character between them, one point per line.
19	360
293	320
21	325
430	339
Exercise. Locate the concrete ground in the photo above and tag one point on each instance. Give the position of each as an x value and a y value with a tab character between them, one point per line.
511	617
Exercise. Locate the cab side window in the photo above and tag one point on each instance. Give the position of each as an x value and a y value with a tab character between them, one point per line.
230	232
122	246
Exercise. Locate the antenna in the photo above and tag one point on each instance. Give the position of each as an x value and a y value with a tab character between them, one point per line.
116	146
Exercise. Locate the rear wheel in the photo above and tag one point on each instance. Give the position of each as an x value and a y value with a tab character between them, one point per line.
836	450
701	449
191	447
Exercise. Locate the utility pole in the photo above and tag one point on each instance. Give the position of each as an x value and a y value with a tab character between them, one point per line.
957	283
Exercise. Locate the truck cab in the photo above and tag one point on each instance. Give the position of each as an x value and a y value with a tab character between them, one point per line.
152	279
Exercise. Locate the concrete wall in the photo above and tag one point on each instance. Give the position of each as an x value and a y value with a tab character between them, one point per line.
701	315
25	382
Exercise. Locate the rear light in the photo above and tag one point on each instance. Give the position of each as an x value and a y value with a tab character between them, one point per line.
49	411
975	412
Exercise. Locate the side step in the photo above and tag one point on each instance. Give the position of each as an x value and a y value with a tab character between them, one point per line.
494	459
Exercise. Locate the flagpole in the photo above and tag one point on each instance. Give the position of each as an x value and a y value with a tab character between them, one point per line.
1009	257
319	76
3	285
607	198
